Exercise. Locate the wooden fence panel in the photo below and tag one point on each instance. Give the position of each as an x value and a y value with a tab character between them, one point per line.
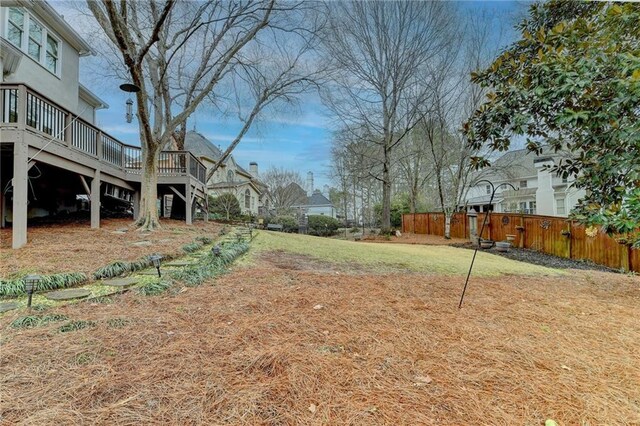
503	224
599	248
458	225
436	224
408	221
542	233
422	224
634	260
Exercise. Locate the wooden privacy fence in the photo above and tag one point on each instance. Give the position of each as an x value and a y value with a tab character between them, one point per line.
548	234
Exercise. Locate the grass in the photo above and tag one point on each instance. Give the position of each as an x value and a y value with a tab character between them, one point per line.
443	260
13	288
32	321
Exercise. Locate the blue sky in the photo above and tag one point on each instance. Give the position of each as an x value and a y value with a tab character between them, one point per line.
298	140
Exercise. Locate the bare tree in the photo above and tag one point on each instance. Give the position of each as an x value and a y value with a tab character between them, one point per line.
380	53
453	98
179	53
285	188
415	169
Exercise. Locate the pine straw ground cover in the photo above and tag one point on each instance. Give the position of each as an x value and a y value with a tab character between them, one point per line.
288	339
75	247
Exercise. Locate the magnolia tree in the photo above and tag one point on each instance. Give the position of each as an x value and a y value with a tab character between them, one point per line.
573	81
182	54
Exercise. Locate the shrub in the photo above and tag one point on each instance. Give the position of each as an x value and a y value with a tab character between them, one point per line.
323	226
289	223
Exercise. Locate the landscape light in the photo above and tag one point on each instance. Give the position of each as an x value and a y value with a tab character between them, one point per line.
30	284
216	250
156	262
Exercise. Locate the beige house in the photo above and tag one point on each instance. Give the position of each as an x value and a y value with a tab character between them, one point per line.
53	159
230	178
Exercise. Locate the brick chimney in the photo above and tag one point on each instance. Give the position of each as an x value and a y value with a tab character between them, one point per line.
253	168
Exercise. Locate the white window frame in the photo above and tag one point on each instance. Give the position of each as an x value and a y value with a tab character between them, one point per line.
24	42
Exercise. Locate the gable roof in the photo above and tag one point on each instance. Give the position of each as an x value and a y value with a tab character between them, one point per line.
520	163
200	146
317	199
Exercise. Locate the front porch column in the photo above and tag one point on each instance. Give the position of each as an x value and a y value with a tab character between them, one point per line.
20	183
188	204
136	205
95	200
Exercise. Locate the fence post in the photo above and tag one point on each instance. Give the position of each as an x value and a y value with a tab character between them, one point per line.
428	223
414	223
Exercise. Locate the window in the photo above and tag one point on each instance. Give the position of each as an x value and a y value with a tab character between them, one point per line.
30	36
560	208
247	199
51	59
488	189
523	184
15	27
230	176
532	207
565	179
35	40
523	207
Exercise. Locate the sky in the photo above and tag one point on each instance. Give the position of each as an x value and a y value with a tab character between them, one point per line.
298	139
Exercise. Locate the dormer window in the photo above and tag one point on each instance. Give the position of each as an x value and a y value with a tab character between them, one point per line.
33	38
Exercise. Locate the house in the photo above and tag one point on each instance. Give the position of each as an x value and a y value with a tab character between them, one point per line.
52	156
312	201
539	190
230	178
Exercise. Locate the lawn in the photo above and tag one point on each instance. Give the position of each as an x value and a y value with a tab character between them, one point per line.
434	259
323	332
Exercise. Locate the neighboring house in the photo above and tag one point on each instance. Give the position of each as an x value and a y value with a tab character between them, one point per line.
315	203
53	159
539	191
230	178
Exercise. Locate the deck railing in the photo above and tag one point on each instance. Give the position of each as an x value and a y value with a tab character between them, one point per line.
23	107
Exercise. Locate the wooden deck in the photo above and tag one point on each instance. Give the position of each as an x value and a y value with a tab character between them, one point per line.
36	130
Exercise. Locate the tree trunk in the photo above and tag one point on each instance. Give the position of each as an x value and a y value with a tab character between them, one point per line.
386	194
447	224
148	219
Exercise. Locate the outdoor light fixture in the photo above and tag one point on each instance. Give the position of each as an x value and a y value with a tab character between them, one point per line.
216	250
30	285
156	262
129	88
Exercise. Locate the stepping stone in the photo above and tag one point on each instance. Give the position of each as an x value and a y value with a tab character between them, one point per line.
4	307
72	293
142	243
148	272
121	282
178	263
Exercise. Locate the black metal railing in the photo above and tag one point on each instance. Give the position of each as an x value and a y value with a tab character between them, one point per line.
44	116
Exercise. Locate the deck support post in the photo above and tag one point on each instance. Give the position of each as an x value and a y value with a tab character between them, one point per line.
188	201
95	200
20	183
136	205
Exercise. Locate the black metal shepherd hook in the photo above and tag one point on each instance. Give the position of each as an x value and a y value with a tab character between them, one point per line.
484	222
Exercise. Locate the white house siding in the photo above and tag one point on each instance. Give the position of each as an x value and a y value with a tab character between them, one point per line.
63	89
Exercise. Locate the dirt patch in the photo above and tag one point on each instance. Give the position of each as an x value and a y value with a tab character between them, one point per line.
75	247
272	345
434	240
281	259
